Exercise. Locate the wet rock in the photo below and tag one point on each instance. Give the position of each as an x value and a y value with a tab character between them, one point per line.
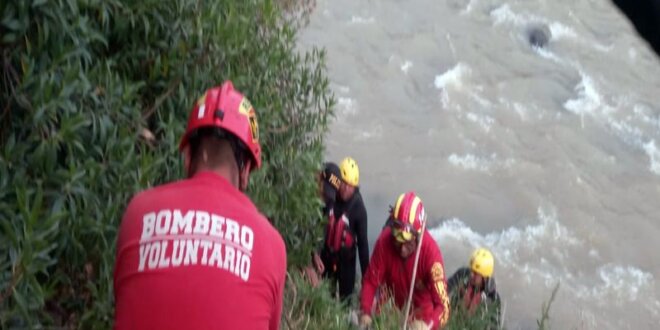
538	36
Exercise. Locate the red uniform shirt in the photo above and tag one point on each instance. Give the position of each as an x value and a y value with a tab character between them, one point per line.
197	254
387	267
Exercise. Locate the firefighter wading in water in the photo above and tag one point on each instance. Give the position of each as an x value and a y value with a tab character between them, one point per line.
346	231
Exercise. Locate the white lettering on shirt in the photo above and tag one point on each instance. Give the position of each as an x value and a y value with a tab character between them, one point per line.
182	222
148	223
144	248
163	222
205	246
232	231
216	226
247	237
177	252
180	238
201	222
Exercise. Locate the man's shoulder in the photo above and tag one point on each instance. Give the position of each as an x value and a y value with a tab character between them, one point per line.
430	245
152	192
384	240
359	200
462	272
385	234
196	194
269	229
147	196
355	206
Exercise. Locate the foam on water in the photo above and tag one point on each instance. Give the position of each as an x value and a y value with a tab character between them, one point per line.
631	135
634	136
406	66
470	162
624	282
590	102
484	121
370	133
511	245
452	78
641	112
559	31
618	286
523	111
588	99
538	253
477	163
548	55
362	20
469	7
346	106
504	15
483	103
654	156
342	89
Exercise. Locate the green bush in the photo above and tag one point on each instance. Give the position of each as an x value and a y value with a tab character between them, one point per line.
315	308
483	318
95	95
311	308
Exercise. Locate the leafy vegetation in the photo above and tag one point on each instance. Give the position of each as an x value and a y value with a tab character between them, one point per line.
95	95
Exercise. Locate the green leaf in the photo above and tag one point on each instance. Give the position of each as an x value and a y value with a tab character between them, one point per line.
37	3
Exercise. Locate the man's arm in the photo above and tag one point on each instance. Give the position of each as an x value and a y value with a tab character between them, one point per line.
281	279
360	218
373	278
454	282
440	297
123	236
436	279
493	299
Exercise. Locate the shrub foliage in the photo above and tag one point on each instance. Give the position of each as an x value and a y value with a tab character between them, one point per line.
94	96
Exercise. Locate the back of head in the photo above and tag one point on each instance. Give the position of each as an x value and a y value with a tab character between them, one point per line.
331	182
210	150
222	113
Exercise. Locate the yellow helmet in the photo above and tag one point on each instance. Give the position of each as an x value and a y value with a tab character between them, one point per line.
350	172
482	262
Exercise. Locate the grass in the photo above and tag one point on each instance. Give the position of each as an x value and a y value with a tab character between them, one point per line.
306	307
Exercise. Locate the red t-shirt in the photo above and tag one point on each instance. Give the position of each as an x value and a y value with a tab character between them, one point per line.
197	254
430	300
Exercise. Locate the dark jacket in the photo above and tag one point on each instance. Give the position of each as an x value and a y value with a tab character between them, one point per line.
459	283
341	265
357	215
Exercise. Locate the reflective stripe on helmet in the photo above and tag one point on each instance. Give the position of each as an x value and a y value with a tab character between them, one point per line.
413	209
406	207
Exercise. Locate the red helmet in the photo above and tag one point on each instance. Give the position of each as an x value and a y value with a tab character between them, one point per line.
226	108
407	216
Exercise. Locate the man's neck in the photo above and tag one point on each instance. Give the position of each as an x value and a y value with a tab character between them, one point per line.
222	171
